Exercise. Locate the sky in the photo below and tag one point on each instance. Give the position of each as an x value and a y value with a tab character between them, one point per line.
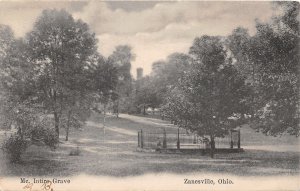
154	29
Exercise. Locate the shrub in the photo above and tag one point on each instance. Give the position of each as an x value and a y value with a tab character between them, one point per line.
14	147
50	138
45	135
75	152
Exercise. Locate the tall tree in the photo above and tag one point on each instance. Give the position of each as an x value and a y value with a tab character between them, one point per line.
211	93
146	94
164	77
17	86
166	73
6	45
6	41
104	79
273	56
19	107
121	59
278	54
60	48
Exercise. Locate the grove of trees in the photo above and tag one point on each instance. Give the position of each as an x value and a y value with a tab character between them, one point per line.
50	80
227	81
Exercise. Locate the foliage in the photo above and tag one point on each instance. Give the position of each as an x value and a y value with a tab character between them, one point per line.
178	108
152	90
43	133
14	146
209	98
62	49
270	62
18	106
166	77
104	79
146	94
6	40
55	71
121	59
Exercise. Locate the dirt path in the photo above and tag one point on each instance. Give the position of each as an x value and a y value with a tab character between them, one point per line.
148	121
111	128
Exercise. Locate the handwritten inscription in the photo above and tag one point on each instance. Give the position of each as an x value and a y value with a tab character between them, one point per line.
28	186
47	186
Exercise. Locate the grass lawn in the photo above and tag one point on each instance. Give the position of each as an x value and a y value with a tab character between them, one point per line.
112	152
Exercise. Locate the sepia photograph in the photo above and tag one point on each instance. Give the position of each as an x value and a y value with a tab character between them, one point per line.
149	95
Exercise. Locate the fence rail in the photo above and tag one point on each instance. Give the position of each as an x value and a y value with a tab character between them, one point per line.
180	140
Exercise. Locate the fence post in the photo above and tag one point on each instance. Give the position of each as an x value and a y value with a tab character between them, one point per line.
142	139
178	141
231	141
239	139
165	139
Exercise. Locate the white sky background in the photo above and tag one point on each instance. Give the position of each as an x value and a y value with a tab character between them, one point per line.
153	29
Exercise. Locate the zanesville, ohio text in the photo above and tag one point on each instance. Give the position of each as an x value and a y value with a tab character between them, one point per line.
207	181
42	180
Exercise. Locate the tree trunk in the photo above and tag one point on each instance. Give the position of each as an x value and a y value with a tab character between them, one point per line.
117	109
104	116
67	133
212	146
68	126
162	115
56	120
56	117
144	110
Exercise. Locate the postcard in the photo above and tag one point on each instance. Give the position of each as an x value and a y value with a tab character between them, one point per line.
149	95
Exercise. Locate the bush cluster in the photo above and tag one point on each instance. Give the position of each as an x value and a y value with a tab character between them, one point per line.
13	147
45	135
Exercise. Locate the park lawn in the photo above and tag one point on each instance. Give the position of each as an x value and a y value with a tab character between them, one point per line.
113	153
